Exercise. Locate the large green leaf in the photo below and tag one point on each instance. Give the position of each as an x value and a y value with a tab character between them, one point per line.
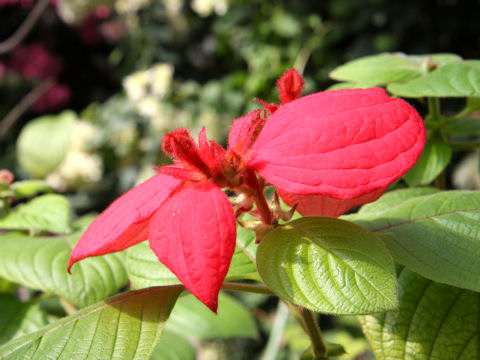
387	68
328	265
434	159
144	269
436	235
49	213
173	347
18	318
452	80
127	326
192	318
434	321
41	263
43	143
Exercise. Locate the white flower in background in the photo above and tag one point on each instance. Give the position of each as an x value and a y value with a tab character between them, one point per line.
465	175
136	85
77	170
205	8
148	106
80	167
173	7
160	76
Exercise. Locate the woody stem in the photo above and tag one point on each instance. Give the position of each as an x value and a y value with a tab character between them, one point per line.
262	206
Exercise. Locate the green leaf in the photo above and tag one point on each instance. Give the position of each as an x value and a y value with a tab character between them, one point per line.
49	213
434	235
191	318
18	318
41	263
379	69
144	269
434	321
127	326
173	347
27	188
452	80
468	126
43	143
434	159
328	265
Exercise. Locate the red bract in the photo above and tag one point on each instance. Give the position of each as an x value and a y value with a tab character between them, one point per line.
325	153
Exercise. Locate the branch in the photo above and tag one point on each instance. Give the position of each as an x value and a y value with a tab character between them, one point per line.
25	28
19	109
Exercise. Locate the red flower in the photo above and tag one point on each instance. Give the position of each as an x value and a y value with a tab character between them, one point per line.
325	153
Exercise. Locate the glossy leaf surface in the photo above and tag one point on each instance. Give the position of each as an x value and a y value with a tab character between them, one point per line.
435	235
41	262
45	213
328	265
127	326
434	321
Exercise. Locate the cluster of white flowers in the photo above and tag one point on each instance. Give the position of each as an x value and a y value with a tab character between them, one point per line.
466	175
80	167
205	8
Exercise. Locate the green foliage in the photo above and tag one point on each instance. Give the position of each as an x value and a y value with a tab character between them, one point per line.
328	265
435	235
126	326
434	159
48	213
40	263
19	318
434	321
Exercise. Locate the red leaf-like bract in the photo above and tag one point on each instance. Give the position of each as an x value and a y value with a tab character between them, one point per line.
342	144
193	234
125	222
321	205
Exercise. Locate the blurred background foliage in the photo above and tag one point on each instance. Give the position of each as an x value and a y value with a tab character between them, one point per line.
86	97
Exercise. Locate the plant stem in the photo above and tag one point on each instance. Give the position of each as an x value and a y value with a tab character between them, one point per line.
313	330
25	28
278	327
251	288
434	109
263	207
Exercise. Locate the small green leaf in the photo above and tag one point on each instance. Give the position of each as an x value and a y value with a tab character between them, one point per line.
328	265
49	213
435	235
378	70
434	159
434	321
41	263
43	143
173	347
468	126
452	80
127	326
27	188
191	318
144	269
18	318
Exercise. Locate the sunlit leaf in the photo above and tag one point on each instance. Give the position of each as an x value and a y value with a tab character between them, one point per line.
328	265
452	80
435	235
49	213
434	321
127	326
41	263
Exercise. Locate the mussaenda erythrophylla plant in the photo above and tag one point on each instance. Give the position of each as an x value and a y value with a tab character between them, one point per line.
324	153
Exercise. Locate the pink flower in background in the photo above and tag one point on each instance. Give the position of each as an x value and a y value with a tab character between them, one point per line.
35	61
324	153
54	98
